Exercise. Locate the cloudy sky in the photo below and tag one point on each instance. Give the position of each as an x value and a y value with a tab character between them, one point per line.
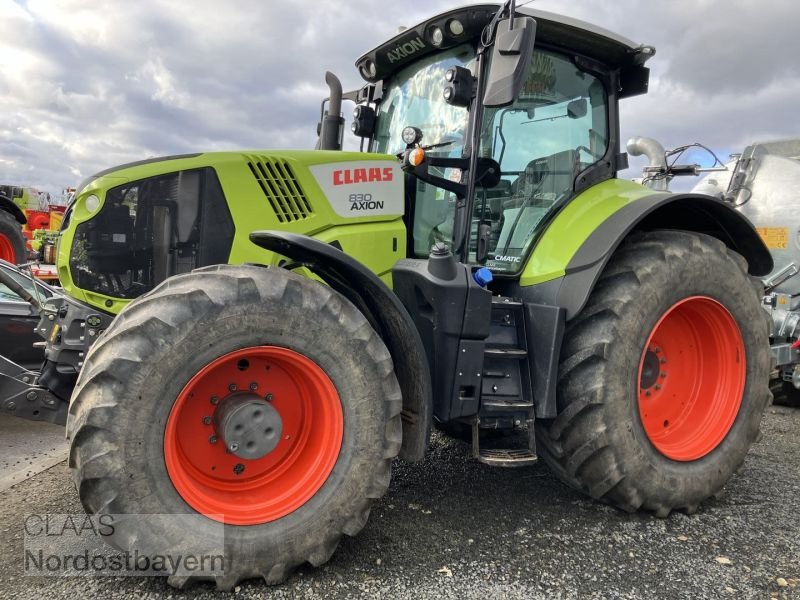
85	85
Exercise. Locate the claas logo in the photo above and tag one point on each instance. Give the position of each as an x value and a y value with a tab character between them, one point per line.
370	175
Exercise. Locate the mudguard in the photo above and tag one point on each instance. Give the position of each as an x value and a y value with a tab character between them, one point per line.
689	212
570	292
8	206
385	313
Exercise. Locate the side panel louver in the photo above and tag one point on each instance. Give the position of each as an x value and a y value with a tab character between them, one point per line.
281	188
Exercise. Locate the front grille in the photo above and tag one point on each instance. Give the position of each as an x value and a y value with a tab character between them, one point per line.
281	188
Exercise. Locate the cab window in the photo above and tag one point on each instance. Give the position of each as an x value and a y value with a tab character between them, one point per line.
555	129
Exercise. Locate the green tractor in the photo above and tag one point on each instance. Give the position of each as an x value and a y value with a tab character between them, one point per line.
273	328
13	199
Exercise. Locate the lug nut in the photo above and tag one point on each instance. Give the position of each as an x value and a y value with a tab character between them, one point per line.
212	439
238	469
253	386
658	387
31	396
11	406
663	361
232	387
206	420
214	400
663	374
268	398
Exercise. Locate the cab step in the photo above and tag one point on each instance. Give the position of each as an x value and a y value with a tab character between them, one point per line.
501	352
508	458
504	457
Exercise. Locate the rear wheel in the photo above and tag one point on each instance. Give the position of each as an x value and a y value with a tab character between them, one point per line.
254	396
663	378
12	242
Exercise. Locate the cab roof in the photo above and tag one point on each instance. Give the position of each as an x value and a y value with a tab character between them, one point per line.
583	38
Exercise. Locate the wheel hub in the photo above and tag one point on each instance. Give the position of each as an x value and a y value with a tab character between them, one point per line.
248	426
651	368
253	435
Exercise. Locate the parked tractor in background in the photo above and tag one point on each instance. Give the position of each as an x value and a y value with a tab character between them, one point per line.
479	263
13	200
29	219
762	184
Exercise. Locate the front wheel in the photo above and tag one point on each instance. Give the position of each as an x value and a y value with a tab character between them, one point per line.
663	377
243	395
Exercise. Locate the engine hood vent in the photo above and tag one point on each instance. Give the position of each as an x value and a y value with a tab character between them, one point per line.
277	180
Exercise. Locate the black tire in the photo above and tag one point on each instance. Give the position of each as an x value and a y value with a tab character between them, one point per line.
133	374
598	443
11	231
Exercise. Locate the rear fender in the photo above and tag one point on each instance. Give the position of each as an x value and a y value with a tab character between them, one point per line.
687	212
570	292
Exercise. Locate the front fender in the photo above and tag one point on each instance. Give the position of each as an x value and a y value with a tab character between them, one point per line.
386	314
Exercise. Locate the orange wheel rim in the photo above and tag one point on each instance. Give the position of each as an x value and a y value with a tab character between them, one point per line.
691	379
214	481
7	249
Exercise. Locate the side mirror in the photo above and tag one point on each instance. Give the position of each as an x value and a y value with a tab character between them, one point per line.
511	58
577	109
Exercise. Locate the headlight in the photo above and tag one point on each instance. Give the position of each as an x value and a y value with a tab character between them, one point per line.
411	135
92	203
456	27
368	69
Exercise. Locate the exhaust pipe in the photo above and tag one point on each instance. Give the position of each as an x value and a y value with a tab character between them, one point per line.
331	127
654	151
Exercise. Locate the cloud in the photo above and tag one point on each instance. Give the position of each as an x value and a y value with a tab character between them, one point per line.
86	85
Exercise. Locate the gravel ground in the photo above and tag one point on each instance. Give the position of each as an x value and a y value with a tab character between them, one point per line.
453	528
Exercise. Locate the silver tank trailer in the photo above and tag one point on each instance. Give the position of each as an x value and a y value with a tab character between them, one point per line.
762	183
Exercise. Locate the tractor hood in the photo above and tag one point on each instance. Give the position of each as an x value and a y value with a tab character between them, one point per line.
131	227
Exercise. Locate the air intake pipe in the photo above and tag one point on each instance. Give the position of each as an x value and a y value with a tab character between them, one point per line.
331	127
654	151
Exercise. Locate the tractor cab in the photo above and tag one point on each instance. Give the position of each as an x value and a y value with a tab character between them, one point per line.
513	118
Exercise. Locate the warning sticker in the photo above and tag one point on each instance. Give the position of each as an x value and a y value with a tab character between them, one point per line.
774	237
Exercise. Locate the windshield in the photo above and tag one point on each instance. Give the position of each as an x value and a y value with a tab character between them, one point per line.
413	97
555	129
